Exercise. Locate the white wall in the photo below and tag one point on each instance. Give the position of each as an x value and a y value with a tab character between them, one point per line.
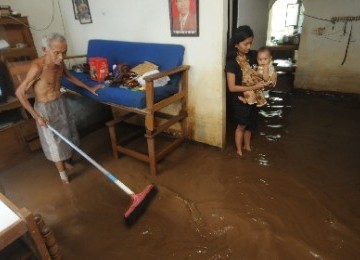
320	56
255	13
148	21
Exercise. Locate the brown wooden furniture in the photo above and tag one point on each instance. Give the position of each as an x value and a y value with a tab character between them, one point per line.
17	33
283	52
156	122
18	134
20	224
17	131
148	106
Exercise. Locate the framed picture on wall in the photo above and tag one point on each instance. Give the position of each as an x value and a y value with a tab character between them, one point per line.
82	11
75	10
184	17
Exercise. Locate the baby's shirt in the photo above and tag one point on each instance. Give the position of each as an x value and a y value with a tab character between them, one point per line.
271	70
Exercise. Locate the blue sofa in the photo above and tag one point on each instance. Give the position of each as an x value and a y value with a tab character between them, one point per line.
166	56
169	58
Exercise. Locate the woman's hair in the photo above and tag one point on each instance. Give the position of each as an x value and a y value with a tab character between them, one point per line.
239	34
47	39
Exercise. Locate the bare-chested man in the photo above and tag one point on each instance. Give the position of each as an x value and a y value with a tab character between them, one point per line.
44	76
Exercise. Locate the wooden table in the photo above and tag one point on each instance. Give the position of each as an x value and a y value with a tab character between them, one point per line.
19	223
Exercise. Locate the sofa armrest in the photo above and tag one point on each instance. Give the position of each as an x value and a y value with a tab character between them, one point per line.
149	89
164	73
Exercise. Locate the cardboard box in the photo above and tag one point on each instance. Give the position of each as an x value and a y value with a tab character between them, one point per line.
99	68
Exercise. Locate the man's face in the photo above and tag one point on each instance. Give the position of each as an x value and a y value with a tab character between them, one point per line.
183	6
57	51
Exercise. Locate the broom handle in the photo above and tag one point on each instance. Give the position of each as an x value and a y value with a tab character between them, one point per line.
93	162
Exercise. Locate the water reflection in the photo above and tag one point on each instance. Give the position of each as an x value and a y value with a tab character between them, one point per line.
267	114
263	160
273	138
275	126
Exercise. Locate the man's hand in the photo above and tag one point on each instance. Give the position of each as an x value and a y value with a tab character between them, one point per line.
41	121
93	89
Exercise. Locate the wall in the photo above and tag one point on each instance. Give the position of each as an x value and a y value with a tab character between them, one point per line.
255	13
148	21
322	52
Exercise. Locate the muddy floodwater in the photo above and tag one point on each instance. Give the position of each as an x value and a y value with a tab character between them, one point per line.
295	196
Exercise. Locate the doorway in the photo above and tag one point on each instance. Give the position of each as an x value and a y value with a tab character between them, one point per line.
276	23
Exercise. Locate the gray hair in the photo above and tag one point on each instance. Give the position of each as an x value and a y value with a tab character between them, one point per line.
47	39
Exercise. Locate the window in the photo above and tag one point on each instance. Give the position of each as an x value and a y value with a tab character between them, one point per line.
285	22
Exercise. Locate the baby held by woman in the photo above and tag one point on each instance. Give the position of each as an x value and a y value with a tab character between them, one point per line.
265	71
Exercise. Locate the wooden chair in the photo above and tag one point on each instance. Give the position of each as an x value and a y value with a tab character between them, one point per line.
148	103
151	112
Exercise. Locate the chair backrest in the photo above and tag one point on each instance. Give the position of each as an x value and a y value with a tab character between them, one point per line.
166	56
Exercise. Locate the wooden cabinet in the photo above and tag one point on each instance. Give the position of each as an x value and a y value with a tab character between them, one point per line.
18	133
283	52
16	33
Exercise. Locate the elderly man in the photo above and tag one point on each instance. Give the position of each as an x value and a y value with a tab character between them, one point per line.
44	76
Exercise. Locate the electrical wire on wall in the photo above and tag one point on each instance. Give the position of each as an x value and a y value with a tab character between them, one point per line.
338	31
52	19
70	62
34	28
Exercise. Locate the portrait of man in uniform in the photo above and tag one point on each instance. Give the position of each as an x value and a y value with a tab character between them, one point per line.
184	16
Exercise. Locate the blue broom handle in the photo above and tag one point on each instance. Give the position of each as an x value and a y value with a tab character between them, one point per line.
93	162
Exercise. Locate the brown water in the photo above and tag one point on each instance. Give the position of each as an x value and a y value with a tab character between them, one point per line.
295	196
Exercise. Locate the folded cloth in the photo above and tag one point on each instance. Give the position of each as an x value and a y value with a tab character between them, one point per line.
157	82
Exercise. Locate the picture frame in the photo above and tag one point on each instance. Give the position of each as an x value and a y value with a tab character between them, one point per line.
184	18
292	14
82	11
75	10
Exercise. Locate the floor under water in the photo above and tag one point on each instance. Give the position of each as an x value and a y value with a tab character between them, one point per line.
295	196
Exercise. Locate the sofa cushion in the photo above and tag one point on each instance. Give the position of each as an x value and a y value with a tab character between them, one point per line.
166	56
118	95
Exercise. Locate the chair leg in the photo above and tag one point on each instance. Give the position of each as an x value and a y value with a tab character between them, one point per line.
184	130
113	141
151	152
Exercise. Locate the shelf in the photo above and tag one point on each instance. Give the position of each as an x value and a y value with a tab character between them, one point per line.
18	53
17	131
6	126
16	31
13	20
10	104
284	47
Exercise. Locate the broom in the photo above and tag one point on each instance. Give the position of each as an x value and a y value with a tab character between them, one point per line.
139	202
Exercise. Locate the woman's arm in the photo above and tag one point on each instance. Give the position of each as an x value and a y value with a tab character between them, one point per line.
236	88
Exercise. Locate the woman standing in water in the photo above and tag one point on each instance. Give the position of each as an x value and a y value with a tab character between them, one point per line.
239	61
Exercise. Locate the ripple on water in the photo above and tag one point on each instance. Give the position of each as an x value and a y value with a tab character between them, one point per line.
275	113
275	126
276	99
262	160
273	138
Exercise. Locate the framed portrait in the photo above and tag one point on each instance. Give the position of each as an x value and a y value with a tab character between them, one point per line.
82	11
75	10
184	17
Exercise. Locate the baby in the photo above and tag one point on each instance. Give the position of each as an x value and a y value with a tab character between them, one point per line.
266	71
